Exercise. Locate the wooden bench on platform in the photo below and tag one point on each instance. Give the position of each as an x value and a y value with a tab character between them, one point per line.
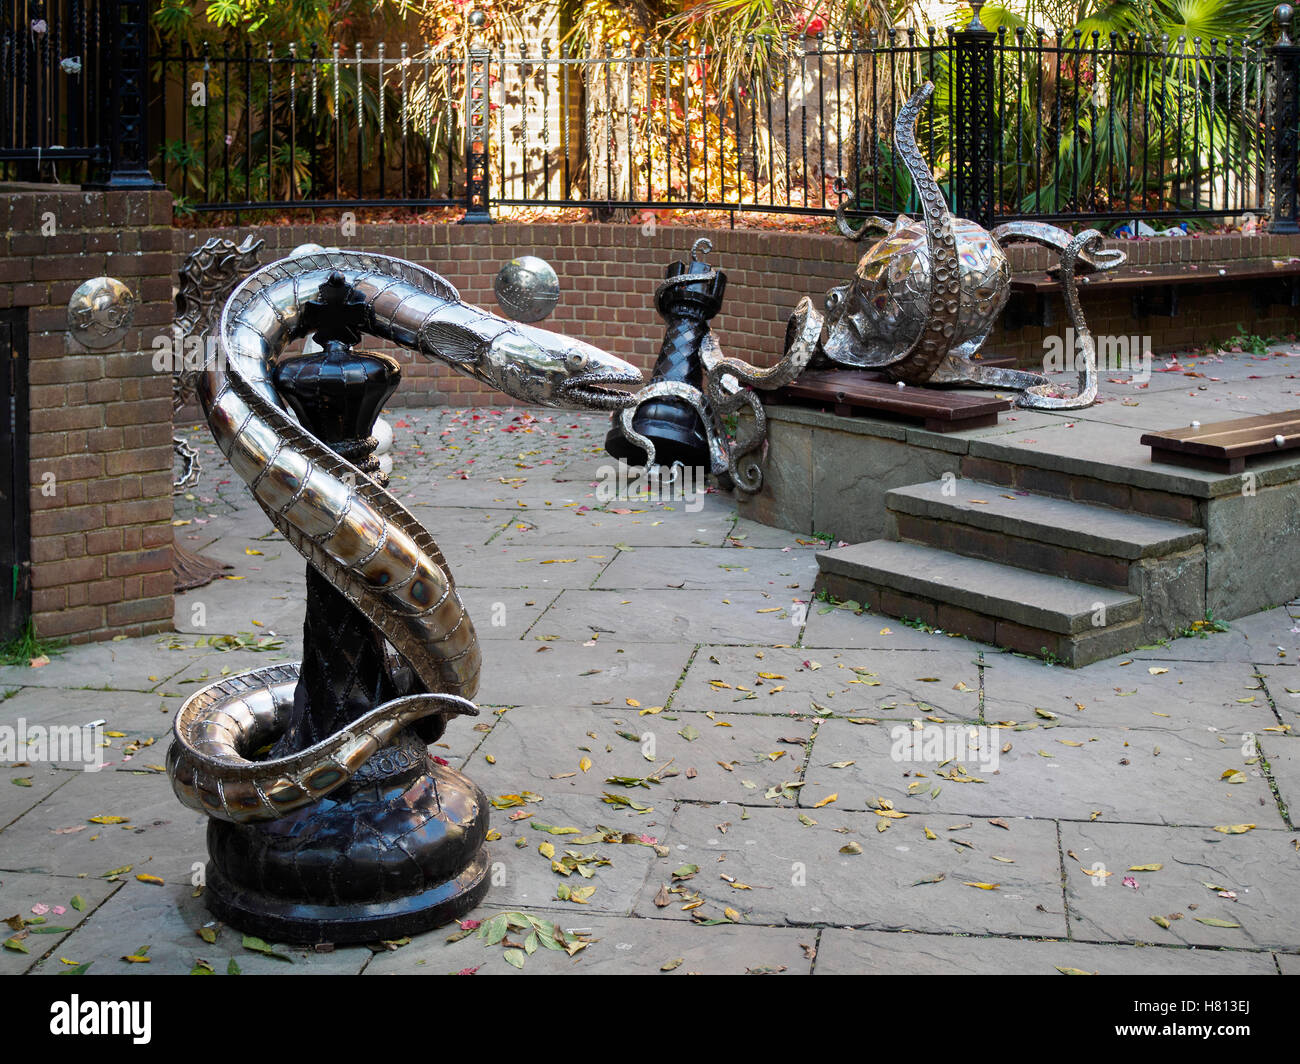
1224	446
866	393
1156	288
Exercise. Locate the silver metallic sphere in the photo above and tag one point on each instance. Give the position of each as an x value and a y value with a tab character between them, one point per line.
100	312
527	288
477	19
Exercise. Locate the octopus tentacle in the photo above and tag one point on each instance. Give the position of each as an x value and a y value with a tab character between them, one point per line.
943	285
1085	353
871	224
1057	239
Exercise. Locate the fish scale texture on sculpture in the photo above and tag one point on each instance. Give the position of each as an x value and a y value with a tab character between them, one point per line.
352	531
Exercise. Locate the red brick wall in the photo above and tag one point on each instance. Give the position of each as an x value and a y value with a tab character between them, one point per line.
100	420
608	275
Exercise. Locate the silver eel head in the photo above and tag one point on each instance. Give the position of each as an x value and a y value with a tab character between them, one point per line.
530	364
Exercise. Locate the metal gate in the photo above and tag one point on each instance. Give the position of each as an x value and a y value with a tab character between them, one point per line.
15	528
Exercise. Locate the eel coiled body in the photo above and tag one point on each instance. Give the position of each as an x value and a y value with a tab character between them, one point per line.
357	535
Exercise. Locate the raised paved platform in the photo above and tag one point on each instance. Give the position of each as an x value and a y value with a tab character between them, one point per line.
1073	495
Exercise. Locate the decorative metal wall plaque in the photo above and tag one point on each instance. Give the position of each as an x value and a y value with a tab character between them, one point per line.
100	311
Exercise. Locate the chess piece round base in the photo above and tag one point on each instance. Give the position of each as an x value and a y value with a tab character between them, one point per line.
394	854
672	426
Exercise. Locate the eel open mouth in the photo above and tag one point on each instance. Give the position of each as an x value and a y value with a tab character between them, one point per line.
601	389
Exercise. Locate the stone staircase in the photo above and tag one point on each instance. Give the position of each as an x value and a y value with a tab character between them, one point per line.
1033	572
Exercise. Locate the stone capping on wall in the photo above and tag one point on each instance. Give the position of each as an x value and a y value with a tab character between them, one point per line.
101	543
608	275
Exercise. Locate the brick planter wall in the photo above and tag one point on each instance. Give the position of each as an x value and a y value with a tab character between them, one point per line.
608	275
100	420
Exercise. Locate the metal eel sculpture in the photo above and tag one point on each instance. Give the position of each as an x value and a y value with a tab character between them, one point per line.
727	387
357	535
926	296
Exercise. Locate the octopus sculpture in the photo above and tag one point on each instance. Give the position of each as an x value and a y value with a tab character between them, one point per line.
927	294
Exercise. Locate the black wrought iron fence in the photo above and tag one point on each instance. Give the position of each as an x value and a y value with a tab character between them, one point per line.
51	65
265	130
73	92
1021	123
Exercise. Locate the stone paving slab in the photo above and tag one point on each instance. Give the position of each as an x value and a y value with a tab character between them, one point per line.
531	745
1225	696
162	838
21	892
1283	755
1283	686
517	609
618	947
462	524
1272	636
578	673
847	683
249	605
1231	645
1059	766
832	626
577	639
123	665
428	496
167	920
522	875
753	534
800	876
545	570
597	528
1171	410
877	953
725	568
16	799
214	665
136	713
671	616
1260	867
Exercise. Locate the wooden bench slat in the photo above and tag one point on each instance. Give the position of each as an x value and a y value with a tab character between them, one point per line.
1162	274
1225	445
942	410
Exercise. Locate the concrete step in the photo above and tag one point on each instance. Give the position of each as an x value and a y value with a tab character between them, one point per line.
1031	612
1075	540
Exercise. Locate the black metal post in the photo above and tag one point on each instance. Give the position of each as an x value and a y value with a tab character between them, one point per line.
1284	119
973	146
477	168
125	115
